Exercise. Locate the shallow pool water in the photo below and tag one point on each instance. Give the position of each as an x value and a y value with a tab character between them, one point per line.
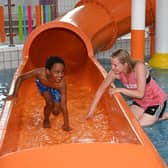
5	81
158	133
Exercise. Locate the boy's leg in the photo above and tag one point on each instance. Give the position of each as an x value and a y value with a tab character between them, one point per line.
47	109
57	108
46	121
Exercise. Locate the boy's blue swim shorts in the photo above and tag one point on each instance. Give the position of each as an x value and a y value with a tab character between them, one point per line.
56	94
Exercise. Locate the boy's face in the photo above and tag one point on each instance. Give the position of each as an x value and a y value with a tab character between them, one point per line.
57	72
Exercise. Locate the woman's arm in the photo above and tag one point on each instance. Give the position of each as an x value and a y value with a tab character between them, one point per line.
107	81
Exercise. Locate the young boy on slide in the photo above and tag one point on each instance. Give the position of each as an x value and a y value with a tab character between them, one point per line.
52	86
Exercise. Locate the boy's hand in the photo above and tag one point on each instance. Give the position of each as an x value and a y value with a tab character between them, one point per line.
10	97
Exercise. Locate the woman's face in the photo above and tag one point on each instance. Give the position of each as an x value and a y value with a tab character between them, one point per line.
57	72
117	66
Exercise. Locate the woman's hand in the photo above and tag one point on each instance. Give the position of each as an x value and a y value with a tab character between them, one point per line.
89	115
114	90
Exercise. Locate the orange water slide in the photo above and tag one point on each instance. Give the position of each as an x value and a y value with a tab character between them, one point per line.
2	25
113	138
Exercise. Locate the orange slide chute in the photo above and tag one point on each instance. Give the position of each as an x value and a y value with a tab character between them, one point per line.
113	138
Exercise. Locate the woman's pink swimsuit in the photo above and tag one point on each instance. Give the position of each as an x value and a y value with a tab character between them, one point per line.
154	95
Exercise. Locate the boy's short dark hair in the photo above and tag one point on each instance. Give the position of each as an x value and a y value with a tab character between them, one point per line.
52	60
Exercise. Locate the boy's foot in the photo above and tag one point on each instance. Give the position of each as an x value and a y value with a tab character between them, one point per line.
66	128
55	113
46	124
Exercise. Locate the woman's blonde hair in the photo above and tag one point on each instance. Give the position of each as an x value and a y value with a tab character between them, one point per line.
124	57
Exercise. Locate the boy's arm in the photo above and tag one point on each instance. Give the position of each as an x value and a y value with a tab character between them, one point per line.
15	89
18	82
66	126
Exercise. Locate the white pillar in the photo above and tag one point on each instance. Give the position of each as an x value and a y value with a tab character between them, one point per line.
137	28
160	58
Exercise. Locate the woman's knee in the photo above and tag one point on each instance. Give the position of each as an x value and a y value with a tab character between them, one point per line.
147	120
